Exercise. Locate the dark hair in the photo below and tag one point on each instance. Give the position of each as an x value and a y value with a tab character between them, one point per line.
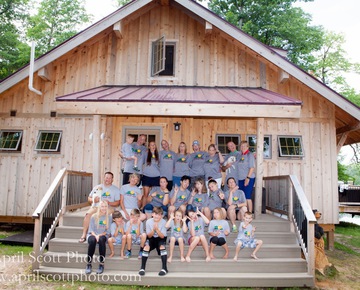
212	181
149	155
185	177
164	177
108	172
158	210
227	181
116	214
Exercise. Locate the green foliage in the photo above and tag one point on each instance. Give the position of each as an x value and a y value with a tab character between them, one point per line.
274	23
55	22
342	172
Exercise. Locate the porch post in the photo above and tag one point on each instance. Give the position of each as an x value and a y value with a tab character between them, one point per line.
259	166
96	149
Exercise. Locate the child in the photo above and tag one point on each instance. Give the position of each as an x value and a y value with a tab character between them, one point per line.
179	196
196	235
216	199
127	151
134	234
156	239
178	227
98	233
117	232
199	197
218	230
236	201
97	194
246	237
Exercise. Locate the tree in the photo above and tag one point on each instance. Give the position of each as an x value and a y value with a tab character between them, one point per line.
55	22
275	23
13	13
332	63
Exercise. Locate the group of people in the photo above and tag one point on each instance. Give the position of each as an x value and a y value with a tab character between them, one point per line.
179	192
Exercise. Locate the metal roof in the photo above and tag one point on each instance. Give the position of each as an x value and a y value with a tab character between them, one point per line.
180	94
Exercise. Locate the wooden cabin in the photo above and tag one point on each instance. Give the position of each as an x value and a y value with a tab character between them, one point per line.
86	94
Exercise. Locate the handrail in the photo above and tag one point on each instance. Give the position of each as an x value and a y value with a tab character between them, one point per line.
63	193
290	199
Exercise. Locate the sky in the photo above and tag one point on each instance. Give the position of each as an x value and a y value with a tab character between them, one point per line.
334	15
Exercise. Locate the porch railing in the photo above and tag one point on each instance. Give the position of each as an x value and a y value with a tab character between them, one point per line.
285	196
68	191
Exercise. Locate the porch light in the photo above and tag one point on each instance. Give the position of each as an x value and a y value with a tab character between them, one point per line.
177	126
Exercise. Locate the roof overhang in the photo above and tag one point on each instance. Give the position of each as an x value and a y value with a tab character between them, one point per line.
179	101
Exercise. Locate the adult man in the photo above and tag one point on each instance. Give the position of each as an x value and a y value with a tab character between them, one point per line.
167	163
196	163
139	150
229	166
110	194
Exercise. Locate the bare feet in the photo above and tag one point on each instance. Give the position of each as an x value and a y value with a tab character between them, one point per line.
188	259
254	257
208	259
122	257
111	254
235	258
169	259
226	256
212	256
182	259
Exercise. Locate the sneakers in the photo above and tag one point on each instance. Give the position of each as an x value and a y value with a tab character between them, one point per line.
140	255
127	254
88	269
136	168
100	270
234	229
162	272
142	272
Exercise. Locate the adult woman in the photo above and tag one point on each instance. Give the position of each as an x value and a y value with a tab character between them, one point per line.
159	196
99	231
151	171
246	173
181	164
130	197
212	166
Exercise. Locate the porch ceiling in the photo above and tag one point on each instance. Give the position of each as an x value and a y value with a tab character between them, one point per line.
180	101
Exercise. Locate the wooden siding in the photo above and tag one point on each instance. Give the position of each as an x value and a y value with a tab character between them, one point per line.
212	59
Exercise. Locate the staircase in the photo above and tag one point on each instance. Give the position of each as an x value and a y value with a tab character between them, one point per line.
280	263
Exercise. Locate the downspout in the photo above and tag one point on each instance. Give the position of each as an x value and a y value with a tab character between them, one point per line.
31	70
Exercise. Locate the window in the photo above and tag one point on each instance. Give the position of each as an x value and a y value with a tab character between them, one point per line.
222	140
48	141
163	56
290	146
10	140
267	144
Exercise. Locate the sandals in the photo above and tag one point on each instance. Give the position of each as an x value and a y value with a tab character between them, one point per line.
82	240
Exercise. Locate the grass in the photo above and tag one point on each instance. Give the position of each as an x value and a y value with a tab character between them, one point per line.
352	231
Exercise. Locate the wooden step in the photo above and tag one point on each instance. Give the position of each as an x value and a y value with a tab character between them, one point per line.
243	265
266	251
184	279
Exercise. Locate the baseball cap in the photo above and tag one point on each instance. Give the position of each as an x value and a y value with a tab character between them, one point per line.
196	142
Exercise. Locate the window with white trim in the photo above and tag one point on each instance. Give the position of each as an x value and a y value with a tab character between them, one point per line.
223	139
11	140
290	146
163	58
48	141
251	139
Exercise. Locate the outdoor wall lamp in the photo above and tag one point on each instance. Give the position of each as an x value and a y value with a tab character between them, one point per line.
177	126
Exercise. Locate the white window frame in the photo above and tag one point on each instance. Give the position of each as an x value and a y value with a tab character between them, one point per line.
223	147
267	141
17	143
301	147
57	149
158	56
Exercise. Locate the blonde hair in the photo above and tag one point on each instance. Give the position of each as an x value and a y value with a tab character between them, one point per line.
98	214
181	222
219	209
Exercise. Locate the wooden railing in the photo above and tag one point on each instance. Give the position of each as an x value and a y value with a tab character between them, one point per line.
68	191
285	196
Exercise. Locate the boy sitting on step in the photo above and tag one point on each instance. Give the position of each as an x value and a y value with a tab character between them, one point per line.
246	237
117	232
156	239
134	234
